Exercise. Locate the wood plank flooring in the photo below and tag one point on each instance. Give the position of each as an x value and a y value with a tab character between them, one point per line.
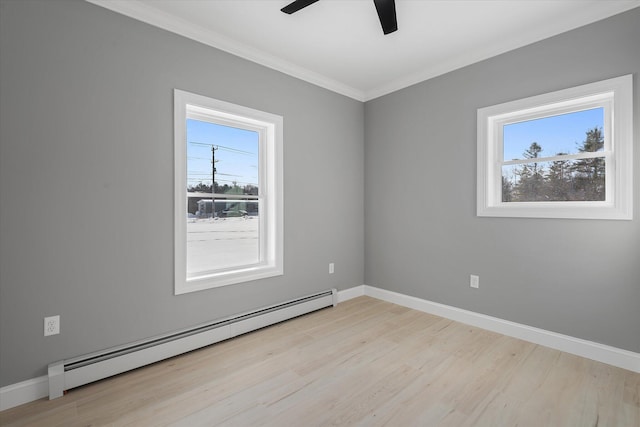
365	362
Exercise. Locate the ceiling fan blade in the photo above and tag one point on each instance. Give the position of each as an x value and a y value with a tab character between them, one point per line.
387	14
297	5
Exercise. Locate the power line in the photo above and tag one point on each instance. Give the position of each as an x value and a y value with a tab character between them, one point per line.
217	173
222	147
214	148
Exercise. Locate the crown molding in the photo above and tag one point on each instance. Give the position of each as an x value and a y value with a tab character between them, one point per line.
524	38
142	11
145	13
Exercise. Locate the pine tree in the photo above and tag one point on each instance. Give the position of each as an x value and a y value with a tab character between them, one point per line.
530	185
589	174
558	180
507	190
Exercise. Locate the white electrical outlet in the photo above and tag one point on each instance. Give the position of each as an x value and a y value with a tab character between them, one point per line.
331	268
51	325
474	281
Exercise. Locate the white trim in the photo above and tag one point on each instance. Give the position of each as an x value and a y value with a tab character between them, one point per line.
491	50
149	14
23	392
38	388
146	13
347	294
615	96
270	127
591	350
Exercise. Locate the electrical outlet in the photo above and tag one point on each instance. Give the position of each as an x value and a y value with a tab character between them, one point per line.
51	325
474	281
331	268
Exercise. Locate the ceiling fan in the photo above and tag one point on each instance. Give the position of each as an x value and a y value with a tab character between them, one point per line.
386	12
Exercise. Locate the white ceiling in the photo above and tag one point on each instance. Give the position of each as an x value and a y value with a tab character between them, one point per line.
339	45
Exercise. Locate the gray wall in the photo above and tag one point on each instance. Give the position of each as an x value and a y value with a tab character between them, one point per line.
87	142
86	139
422	238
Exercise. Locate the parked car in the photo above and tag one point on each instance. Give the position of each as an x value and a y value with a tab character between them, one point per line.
230	213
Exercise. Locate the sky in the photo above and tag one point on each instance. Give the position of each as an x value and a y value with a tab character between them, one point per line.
237	149
555	134
236	154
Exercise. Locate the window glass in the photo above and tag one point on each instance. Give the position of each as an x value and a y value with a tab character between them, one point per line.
222	228
535	178
555	181
561	134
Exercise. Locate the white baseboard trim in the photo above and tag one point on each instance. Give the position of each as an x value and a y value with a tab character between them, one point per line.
350	293
591	350
23	392
37	388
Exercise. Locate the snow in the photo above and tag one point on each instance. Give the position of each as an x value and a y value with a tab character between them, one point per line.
215	243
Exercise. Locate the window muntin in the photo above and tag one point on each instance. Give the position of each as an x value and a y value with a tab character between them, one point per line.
230	232
532	161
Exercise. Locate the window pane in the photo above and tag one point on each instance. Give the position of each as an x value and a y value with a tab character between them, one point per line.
234	151
566	180
571	133
222	232
227	237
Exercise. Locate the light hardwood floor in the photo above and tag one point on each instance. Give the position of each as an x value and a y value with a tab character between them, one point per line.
365	362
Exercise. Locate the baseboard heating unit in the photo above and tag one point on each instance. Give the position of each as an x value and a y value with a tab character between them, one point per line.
67	374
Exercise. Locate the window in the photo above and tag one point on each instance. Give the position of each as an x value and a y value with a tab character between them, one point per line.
228	193
565	154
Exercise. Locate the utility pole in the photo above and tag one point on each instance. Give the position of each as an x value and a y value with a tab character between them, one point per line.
213	180
213	168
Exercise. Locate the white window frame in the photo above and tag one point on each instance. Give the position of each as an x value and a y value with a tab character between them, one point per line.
270	189
616	97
